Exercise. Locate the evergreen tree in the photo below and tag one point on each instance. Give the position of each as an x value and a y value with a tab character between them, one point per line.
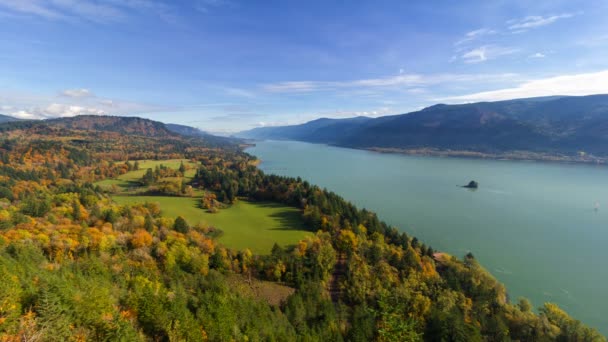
180	225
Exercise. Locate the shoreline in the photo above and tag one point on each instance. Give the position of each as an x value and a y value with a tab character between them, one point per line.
511	155
582	159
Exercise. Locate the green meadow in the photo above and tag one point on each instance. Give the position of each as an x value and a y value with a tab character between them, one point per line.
131	178
253	225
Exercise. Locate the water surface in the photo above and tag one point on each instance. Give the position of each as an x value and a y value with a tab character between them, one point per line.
533	225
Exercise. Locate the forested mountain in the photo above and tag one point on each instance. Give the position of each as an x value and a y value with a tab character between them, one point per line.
124	125
127	125
77	266
7	118
185	130
321	130
557	124
196	132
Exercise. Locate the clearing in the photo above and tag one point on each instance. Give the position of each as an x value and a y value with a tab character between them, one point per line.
130	180
253	225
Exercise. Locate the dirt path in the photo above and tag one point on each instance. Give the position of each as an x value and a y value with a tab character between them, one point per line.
338	274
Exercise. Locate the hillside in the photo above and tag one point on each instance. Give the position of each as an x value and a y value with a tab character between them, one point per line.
185	130
118	124
7	118
566	125
189	131
321	130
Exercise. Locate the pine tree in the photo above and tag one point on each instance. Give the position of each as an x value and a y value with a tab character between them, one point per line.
181	225
149	223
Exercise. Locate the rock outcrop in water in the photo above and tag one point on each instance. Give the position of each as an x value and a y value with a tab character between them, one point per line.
472	185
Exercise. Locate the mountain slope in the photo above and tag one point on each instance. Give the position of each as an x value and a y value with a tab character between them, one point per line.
119	124
194	132
7	118
320	130
185	130
559	124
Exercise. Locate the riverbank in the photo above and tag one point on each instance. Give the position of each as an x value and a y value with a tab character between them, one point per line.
581	158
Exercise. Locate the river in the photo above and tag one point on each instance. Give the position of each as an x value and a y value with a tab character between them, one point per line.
540	228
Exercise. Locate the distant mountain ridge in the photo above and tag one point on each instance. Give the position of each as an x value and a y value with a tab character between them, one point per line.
185	130
7	118
189	131
555	124
119	124
320	130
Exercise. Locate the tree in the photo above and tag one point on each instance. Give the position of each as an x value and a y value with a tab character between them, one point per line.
76	213
181	225
149	223
524	305
148	177
347	241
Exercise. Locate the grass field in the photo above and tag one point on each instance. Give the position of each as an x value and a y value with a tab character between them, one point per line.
253	225
130	179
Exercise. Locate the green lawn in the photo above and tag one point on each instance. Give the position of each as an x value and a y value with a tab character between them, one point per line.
253	225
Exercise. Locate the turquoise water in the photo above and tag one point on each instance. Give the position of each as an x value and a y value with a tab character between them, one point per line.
533	225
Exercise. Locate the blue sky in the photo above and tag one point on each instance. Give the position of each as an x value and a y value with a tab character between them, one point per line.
229	65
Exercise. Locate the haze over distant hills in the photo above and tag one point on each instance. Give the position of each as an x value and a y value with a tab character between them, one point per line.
7	118
556	124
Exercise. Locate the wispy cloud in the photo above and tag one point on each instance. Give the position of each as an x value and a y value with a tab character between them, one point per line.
99	11
576	84
472	35
534	21
238	92
207	5
537	55
64	9
594	41
77	93
485	53
404	81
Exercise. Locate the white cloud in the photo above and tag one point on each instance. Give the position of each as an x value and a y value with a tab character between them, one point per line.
77	93
484	53
398	81
537	55
99	11
577	84
476	55
65	9
472	35
56	110
238	92
70	102
534	21
32	7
